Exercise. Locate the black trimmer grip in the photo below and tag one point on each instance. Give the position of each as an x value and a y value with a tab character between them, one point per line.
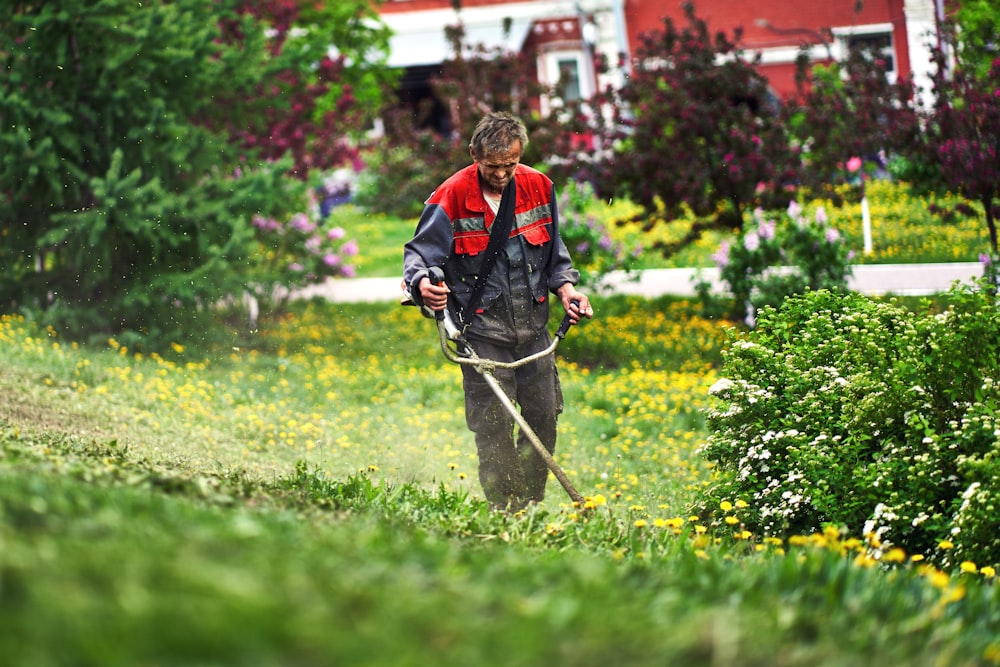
566	323
436	275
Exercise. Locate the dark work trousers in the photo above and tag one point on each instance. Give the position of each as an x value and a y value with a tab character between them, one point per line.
511	473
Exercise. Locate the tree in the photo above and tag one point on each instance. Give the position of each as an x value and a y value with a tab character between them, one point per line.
323	84
123	210
965	134
846	110
696	127
975	43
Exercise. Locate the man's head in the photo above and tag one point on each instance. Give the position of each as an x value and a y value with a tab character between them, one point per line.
496	146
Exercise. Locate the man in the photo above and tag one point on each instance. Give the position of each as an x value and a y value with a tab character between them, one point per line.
505	316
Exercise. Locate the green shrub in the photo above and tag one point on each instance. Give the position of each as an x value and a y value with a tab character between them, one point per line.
780	257
841	409
587	237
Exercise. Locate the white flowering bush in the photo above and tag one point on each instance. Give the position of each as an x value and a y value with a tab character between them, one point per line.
782	255
840	409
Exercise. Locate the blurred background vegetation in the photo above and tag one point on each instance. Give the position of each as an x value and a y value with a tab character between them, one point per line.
167	167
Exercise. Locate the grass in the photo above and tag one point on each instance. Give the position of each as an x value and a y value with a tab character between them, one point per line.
313	501
309	497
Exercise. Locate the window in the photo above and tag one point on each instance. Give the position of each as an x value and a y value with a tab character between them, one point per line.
877	44
874	39
569	79
567	72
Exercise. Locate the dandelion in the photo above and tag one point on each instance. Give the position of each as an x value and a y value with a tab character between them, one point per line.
640	523
988	571
945	545
968	567
895	555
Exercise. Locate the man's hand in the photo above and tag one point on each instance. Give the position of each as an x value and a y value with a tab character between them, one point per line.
576	304
435	296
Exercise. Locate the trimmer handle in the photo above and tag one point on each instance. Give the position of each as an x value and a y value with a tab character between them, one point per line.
566	323
436	276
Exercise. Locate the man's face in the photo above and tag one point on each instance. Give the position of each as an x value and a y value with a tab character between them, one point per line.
496	169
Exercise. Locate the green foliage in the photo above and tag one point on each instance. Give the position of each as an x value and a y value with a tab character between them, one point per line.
126	210
113	558
118	213
587	237
781	258
978	24
293	252
849	110
695	100
839	409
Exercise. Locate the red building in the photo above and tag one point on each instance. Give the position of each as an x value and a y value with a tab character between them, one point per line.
564	31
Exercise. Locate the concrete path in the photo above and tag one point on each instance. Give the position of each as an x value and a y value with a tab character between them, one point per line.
872	279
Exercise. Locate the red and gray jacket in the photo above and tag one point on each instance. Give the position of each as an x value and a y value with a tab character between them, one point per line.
453	232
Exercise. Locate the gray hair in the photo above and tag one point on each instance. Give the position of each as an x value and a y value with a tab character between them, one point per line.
496	133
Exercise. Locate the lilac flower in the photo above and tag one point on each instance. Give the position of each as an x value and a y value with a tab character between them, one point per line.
751	241
985	259
313	243
583	247
821	216
721	256
350	248
758	216
330	259
605	243
295	266
336	233
766	229
832	235
301	222
794	210
347	271
267	224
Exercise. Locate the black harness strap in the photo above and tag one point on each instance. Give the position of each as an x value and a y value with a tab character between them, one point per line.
499	233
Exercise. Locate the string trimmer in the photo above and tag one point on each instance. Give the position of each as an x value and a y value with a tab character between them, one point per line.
456	349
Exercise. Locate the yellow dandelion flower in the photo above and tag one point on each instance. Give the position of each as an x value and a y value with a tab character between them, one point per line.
640	523
988	571
916	558
732	521
945	544
741	504
725	506
896	555
700	530
968	567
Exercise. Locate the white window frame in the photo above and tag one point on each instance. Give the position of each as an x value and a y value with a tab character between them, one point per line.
548	66
843	37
